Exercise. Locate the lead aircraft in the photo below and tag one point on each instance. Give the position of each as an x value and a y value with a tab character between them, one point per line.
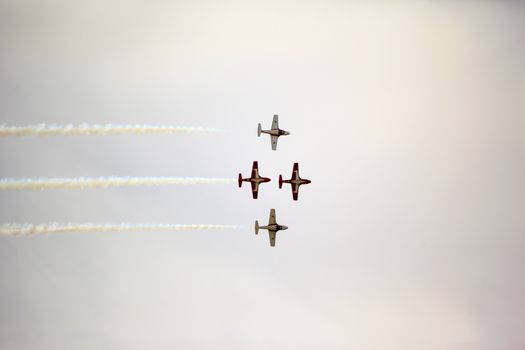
295	181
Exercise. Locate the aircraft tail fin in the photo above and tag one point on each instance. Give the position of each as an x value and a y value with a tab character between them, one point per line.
240	180
256	227
280	181
259	129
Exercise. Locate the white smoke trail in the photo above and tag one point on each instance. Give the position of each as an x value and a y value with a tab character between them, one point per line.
96	129
104	182
53	227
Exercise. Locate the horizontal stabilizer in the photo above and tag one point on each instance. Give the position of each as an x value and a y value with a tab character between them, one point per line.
256	227
280	181
240	180
259	129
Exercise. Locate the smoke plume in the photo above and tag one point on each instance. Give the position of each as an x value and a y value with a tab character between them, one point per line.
104	182
30	229
96	129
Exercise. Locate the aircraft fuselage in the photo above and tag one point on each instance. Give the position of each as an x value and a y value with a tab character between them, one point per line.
275	132
257	179
297	181
274	227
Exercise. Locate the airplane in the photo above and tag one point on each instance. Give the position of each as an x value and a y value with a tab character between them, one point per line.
272	227
295	181
255	179
275	132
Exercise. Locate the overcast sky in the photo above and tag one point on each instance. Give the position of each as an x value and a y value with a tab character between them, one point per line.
408	118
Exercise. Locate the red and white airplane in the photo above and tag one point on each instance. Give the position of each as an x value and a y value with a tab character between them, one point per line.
295	181
255	179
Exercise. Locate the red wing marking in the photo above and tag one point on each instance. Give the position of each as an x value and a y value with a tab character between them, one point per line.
255	170
295	191
255	189
295	171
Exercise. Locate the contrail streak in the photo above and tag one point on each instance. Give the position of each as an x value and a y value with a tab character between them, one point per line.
53	227
96	129
104	182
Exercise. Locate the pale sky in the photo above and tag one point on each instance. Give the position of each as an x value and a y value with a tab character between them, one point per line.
408	118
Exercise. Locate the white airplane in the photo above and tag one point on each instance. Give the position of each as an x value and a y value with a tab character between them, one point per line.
272	227
275	132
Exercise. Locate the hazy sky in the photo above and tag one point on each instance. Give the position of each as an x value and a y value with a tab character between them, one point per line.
408	117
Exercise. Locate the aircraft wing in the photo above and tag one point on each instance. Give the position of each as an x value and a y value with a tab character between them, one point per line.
255	170
255	189
271	220
273	236
275	122
295	191
274	142
295	171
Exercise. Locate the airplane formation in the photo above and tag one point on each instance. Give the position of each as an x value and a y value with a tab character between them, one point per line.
255	180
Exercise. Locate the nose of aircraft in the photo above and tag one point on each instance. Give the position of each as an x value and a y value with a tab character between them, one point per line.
285	227
308	181
287	133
